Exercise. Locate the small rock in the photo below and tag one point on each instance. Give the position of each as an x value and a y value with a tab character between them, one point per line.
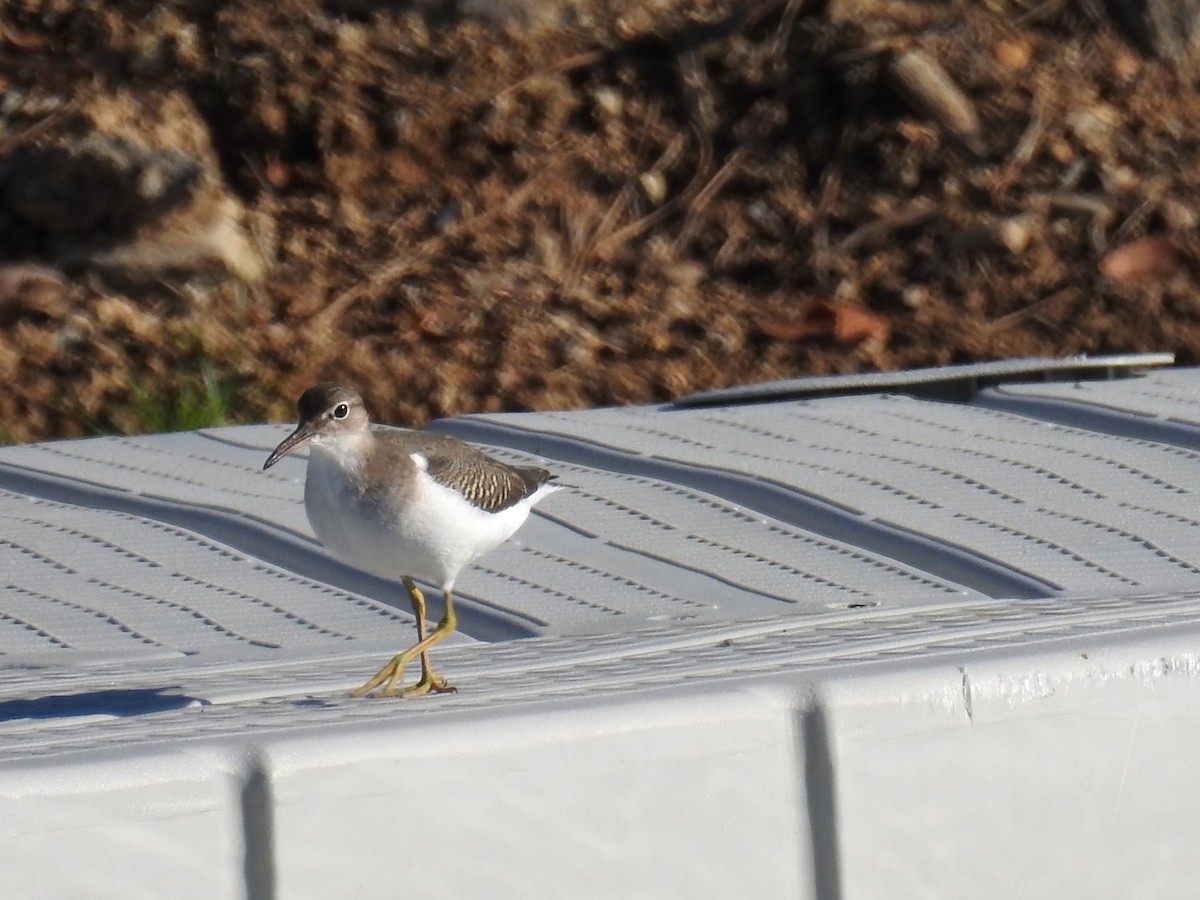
1178	215
1095	126
610	101
1013	54
654	185
130	182
922	82
1125	66
1017	232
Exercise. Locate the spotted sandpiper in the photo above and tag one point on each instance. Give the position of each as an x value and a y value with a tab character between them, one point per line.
408	505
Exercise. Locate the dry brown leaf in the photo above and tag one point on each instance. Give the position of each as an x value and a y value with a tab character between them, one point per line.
845	323
790	331
1141	260
852	324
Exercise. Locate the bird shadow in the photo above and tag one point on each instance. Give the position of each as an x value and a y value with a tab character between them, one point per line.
116	702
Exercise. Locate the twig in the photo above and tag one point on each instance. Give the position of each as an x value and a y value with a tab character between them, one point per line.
583	248
1135	219
1025	312
39	126
570	64
1092	204
915	212
831	187
1028	144
397	268
787	22
604	248
707	193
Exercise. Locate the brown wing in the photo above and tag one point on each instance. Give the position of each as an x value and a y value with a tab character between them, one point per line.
488	483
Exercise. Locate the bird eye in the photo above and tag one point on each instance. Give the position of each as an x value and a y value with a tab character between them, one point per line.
341	411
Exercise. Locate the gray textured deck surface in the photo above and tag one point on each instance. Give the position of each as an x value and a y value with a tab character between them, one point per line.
778	566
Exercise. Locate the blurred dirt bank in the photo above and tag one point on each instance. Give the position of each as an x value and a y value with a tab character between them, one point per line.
540	204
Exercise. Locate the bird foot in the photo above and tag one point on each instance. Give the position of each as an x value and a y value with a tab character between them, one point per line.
384	682
430	683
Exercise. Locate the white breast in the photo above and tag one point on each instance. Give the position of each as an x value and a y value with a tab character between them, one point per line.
432	537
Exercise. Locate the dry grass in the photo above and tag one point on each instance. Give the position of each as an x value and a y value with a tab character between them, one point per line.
467	217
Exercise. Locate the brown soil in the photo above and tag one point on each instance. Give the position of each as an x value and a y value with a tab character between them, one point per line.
465	214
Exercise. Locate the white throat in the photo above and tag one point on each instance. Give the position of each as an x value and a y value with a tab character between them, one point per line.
348	450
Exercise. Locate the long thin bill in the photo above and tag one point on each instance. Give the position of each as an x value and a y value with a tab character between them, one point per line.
296	439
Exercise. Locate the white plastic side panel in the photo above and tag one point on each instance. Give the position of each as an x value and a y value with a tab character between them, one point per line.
1067	779
135	829
695	798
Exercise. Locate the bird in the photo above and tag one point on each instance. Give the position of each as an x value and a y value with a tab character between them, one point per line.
405	505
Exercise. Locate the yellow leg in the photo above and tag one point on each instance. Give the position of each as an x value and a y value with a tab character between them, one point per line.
430	681
417	600
385	679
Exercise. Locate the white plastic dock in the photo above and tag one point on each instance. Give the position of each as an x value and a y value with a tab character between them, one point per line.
931	634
